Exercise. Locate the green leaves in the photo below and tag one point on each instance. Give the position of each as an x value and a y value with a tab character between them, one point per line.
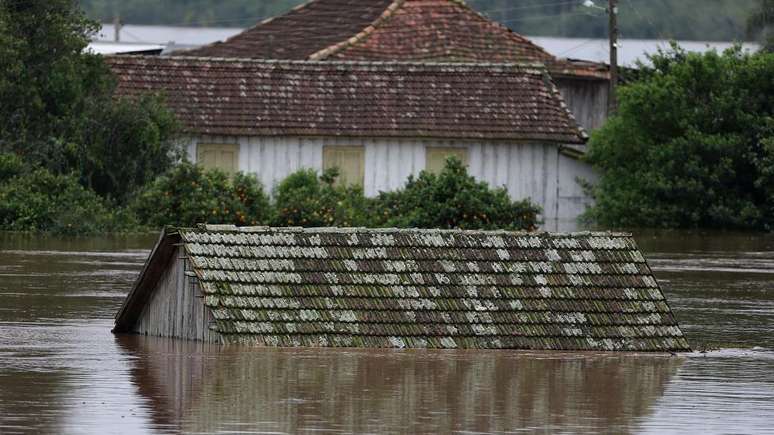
687	147
188	195
306	200
57	109
453	199
37	200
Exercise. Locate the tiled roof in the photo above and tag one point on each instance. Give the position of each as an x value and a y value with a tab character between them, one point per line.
355	99
448	31
399	30
305	30
430	288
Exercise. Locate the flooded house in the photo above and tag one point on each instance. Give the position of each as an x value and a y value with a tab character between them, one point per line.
389	288
412	31
378	122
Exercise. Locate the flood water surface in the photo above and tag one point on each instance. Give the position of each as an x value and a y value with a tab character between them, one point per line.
62	371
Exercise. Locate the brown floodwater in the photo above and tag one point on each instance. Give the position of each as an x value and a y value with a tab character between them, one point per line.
62	371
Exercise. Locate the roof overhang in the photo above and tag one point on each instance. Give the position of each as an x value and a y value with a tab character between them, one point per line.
159	259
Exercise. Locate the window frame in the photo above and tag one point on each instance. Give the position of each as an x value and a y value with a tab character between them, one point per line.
329	153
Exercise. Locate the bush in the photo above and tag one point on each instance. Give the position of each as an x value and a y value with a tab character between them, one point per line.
188	195
690	146
10	166
306	200
43	202
453	199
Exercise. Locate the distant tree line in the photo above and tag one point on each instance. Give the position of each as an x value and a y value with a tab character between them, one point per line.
668	19
761	24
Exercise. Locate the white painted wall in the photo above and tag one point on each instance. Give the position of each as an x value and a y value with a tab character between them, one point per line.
535	171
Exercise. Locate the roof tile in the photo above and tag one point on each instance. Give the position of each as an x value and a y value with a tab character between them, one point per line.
422	288
361	99
390	30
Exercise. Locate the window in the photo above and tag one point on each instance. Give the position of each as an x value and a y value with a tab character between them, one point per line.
436	157
350	160
220	156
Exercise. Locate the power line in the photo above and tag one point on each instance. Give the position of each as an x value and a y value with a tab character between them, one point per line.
534	6
582	44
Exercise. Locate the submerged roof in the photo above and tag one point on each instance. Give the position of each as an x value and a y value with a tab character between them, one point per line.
391	30
422	288
354	99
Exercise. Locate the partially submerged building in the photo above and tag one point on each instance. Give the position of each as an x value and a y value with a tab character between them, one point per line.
412	31
378	122
401	289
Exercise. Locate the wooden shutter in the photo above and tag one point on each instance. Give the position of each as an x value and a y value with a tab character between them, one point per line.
350	160
218	156
435	158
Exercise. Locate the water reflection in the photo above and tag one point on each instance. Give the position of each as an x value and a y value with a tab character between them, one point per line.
283	390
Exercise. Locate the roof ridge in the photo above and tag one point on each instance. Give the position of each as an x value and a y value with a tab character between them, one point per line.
516	65
385	15
347	230
397	4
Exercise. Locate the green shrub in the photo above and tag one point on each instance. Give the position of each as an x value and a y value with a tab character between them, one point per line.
11	165
690	145
43	202
453	199
306	200
188	195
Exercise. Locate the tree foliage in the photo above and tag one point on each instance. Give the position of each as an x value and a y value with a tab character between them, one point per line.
761	23
307	200
189	194
34	199
56	105
453	199
691	145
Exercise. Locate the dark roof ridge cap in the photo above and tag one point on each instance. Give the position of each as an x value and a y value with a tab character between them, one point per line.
348	230
540	67
335	48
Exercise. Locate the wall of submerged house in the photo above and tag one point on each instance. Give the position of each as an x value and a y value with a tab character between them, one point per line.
540	172
176	308
586	99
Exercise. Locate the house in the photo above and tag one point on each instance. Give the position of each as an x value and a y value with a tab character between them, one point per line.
379	122
415	31
401	289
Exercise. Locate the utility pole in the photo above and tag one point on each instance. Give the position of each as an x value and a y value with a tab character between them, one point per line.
117	28
612	101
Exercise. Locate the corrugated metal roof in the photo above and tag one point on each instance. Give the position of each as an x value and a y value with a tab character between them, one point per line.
430	289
